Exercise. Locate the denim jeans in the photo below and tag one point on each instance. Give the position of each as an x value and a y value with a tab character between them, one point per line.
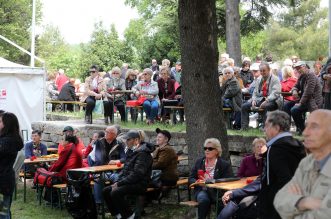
98	186
151	108
298	113
6	203
204	203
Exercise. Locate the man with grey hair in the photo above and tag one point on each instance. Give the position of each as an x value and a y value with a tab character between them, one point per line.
265	96
308	194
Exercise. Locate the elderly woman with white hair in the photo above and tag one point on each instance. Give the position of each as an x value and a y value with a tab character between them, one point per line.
149	90
115	83
288	83
210	166
231	95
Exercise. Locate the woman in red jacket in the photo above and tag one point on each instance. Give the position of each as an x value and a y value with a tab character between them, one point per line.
288	83
69	158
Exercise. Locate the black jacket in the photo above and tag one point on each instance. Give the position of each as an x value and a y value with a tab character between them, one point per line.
283	158
9	146
67	92
137	168
104	152
222	170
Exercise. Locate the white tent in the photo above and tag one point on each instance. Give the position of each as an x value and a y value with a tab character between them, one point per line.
22	92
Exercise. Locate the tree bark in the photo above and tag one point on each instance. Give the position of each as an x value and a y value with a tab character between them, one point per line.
232	30
201	90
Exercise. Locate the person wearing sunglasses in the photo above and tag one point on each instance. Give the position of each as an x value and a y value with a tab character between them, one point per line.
94	90
210	166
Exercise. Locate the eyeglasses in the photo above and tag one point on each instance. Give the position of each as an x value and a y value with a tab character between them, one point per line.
116	73
208	148
227	73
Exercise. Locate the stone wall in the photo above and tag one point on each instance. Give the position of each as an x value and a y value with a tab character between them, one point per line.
52	135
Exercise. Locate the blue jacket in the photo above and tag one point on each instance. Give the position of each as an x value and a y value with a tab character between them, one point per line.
28	149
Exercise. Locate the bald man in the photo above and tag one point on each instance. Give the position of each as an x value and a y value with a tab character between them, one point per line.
308	194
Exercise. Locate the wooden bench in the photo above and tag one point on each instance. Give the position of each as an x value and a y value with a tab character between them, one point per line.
64	103
139	110
173	110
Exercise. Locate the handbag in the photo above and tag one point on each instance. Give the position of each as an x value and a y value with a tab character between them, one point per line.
138	102
156	178
98	109
46	178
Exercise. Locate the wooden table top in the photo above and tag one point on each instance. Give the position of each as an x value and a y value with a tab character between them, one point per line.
121	91
182	157
52	149
40	160
98	169
238	184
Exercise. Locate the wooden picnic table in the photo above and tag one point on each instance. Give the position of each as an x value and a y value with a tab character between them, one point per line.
182	157
35	161
52	150
114	92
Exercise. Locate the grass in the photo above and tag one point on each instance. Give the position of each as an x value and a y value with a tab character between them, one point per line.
142	125
32	210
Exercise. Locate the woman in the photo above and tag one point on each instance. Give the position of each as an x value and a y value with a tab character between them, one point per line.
130	82
246	74
52	92
165	158
231	94
207	168
166	91
150	90
251	165
115	83
94	90
10	143
70	157
288	83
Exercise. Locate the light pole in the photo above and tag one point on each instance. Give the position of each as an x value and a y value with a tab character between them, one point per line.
33	32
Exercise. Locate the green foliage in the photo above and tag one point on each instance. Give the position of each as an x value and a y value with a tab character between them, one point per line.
15	23
253	44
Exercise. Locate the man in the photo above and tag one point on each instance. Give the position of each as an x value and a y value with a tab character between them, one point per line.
308	91
35	147
281	160
265	95
133	179
108	150
68	130
68	93
308	194
176	72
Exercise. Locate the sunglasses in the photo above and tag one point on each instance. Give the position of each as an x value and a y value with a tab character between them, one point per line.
208	148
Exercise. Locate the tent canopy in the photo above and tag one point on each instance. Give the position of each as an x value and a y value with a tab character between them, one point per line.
22	92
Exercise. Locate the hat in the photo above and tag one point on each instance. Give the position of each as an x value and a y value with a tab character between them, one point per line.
164	132
131	134
255	67
299	63
68	128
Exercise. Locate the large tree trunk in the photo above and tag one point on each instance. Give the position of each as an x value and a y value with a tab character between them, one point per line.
232	30
201	91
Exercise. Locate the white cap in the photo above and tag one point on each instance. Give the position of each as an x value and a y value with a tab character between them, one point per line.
255	67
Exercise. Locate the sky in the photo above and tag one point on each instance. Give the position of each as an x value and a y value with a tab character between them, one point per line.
76	18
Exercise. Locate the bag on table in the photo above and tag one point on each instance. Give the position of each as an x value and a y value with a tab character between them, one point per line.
98	109
137	102
46	178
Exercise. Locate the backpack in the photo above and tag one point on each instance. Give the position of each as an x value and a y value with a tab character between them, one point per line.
79	198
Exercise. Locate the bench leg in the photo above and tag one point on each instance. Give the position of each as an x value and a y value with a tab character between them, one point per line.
178	195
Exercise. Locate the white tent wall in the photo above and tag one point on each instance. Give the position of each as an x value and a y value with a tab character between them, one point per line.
22	93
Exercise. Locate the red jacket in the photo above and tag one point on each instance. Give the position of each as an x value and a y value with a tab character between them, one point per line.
60	81
287	86
162	91
74	161
79	146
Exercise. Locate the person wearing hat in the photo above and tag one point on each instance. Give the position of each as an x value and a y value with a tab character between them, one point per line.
210	166
165	158
149	90
308	94
133	179
69	130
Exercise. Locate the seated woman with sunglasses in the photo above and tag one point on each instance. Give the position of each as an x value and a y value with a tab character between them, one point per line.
211	166
150	90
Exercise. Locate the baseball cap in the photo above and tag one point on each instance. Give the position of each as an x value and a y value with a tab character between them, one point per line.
68	128
299	63
131	134
164	132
